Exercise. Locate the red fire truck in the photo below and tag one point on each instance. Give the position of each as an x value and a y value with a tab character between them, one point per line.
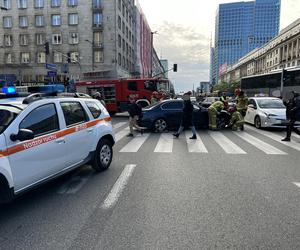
117	92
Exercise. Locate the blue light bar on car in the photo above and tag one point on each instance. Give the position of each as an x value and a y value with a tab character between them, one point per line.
9	90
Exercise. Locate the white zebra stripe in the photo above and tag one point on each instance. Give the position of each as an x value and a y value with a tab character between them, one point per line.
119	125
135	144
263	146
165	144
195	146
228	146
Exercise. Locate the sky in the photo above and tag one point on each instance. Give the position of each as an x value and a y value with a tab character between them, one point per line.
184	30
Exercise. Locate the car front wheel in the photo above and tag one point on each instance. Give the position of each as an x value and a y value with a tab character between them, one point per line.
257	122
160	125
103	155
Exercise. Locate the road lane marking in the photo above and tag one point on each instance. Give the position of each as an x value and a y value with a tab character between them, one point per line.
277	138
135	144
118	187
74	184
297	184
119	125
165	143
120	135
228	146
263	146
195	146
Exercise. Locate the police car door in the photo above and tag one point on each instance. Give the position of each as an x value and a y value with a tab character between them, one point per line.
80	137
34	160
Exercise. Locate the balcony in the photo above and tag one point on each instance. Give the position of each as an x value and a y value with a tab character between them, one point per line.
98	45
97	7
97	26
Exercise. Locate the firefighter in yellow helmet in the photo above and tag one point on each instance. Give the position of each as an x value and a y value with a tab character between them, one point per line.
241	102
213	111
237	120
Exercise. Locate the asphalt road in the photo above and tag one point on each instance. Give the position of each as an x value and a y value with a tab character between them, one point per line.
225	191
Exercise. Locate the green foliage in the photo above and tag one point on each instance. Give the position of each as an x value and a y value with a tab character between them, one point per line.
227	87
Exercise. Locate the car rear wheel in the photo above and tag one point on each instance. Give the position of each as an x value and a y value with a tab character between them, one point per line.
257	122
160	125
103	155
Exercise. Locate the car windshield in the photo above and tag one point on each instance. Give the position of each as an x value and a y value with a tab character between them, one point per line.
7	115
270	104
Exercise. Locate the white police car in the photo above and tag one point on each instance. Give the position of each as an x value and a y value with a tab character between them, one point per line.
44	137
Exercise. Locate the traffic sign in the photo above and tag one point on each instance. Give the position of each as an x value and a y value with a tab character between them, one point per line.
51	73
50	66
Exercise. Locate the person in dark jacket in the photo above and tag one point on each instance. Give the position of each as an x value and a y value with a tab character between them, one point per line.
292	114
187	116
135	111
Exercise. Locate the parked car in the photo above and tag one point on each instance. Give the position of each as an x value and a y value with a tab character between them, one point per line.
44	137
266	112
166	115
209	100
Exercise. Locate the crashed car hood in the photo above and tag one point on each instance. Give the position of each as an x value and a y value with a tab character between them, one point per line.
277	112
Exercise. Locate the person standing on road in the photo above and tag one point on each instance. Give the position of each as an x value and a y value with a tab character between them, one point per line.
154	98
135	111
187	116
213	110
241	102
99	97
292	114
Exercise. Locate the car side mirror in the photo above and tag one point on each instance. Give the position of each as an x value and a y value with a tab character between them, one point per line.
23	135
251	106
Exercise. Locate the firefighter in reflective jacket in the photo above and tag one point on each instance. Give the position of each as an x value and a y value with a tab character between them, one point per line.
241	102
213	111
237	120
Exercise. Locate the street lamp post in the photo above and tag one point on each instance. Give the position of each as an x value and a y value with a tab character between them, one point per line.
93	59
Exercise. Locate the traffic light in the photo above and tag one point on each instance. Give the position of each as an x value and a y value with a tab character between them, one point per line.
284	74
69	57
175	67
46	45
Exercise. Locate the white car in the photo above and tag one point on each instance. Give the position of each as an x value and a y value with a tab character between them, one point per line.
44	137
266	112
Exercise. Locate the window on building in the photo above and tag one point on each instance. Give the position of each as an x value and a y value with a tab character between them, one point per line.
56	39
22	4
24	39
57	57
40	39
98	56
39	21
119	5
74	57
96	4
119	41
97	19
23	21
7	22
98	39
40	78
25	57
73	19
38	3
72	3
119	22
119	59
7	4
73	38
41	57
123	28
8	58
8	40
56	20
55	3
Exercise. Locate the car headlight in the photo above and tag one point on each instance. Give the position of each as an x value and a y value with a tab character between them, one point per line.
269	115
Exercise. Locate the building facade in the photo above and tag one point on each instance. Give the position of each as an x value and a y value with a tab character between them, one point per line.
283	51
241	27
86	39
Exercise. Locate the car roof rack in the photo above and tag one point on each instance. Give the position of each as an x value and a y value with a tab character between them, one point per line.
38	96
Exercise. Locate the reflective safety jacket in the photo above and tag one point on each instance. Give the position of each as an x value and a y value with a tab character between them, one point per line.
242	102
236	118
217	106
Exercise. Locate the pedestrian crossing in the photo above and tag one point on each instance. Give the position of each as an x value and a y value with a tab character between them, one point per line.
229	142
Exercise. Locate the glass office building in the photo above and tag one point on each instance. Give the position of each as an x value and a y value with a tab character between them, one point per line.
241	27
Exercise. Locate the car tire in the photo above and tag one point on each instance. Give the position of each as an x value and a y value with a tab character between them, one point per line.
257	122
160	125
103	155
